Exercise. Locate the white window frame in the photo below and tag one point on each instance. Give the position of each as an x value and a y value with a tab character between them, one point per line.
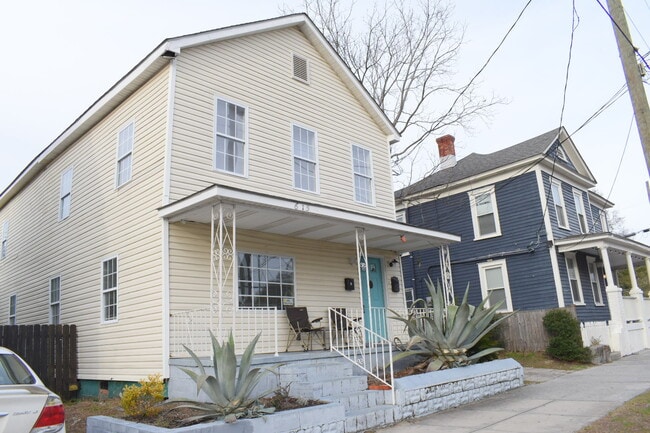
580	213
65	194
291	300
595	282
573	267
106	290
473	200
602	214
409	296
558	202
485	290
357	174
13	306
125	144
225	135
4	242
305	158
55	319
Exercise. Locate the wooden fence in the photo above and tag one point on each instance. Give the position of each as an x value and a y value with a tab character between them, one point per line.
51	351
524	331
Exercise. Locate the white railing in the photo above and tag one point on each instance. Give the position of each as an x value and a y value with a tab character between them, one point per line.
595	332
366	349
192	329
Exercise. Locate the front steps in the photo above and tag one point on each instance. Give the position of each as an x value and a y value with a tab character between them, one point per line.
333	380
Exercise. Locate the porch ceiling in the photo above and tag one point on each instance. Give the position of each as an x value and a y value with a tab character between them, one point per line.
292	218
617	247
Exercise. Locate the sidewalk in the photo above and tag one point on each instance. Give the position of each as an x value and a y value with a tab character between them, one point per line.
560	403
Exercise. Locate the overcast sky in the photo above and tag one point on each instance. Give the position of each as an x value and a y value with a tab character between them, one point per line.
59	56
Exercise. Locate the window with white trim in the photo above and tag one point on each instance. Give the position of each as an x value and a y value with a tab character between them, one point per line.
558	202
363	179
574	279
124	155
55	301
595	281
580	211
109	290
603	221
409	296
4	242
305	159
65	194
231	137
485	215
265	281
495	284
12	309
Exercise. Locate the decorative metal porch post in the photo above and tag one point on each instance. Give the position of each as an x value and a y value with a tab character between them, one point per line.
362	265
223	258
445	271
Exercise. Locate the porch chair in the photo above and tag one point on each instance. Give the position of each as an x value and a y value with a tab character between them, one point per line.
301	328
342	327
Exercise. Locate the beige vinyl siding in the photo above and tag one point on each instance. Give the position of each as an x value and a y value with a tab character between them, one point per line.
256	71
103	222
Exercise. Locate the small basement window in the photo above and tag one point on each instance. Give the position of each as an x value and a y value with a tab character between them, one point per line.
300	68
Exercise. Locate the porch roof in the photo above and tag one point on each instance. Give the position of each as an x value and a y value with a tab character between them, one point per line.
281	216
593	242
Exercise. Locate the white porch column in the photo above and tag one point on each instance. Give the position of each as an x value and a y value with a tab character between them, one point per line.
630	269
618	336
637	294
445	271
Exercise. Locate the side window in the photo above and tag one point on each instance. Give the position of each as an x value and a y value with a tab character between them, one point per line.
65	194
364	188
12	309
231	138
305	159
124	155
595	282
558	202
4	240
580	211
55	301
494	283
109	290
574	279
485	215
265	281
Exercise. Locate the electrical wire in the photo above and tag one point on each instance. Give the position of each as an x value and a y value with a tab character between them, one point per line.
635	49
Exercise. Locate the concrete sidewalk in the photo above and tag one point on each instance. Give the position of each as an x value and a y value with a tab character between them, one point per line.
557	402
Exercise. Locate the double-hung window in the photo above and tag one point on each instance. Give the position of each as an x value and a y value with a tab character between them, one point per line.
231	136
124	155
485	215
580	211
363	179
558	201
305	167
265	281
55	301
12	309
65	194
4	240
574	279
109	290
494	283
595	282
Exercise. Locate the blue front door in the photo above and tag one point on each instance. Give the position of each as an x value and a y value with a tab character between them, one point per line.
375	317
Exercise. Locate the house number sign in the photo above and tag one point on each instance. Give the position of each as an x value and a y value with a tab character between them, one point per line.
304	207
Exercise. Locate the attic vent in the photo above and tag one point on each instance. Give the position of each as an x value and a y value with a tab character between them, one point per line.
560	153
300	71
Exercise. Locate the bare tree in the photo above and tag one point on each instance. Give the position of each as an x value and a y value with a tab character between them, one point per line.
404	55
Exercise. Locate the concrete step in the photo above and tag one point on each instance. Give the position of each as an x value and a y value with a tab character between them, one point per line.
360	400
362	419
307	371
321	389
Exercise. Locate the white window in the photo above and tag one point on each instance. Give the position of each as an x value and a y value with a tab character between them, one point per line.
305	167
558	201
485	215
231	136
494	283
595	282
409	296
580	211
65	194
5	240
124	155
55	301
265	281
362	169
574	279
12	310
109	290
603	221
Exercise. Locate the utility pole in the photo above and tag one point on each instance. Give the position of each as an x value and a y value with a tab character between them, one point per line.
632	77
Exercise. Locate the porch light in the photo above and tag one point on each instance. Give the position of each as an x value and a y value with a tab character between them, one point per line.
402	238
393	262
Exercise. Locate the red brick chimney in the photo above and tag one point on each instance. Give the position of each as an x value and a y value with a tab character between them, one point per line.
447	151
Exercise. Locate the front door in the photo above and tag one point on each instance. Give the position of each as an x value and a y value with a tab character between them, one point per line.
374	317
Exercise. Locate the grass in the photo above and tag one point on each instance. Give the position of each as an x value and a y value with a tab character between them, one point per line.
631	417
541	360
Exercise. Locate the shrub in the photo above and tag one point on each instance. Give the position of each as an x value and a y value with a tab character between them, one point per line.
565	338
142	400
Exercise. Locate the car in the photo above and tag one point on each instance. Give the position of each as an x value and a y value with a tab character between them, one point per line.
26	405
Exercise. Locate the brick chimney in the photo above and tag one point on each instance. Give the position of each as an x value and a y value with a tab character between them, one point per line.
447	151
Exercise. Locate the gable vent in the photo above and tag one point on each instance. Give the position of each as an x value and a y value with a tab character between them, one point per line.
300	70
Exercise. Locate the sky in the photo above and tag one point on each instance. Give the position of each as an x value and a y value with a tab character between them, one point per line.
60	56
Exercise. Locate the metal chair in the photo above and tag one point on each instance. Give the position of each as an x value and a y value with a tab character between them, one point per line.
301	328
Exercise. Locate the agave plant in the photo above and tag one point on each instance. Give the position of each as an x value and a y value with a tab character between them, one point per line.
231	394
446	333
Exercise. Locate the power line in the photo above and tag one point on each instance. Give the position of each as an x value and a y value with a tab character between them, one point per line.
635	49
